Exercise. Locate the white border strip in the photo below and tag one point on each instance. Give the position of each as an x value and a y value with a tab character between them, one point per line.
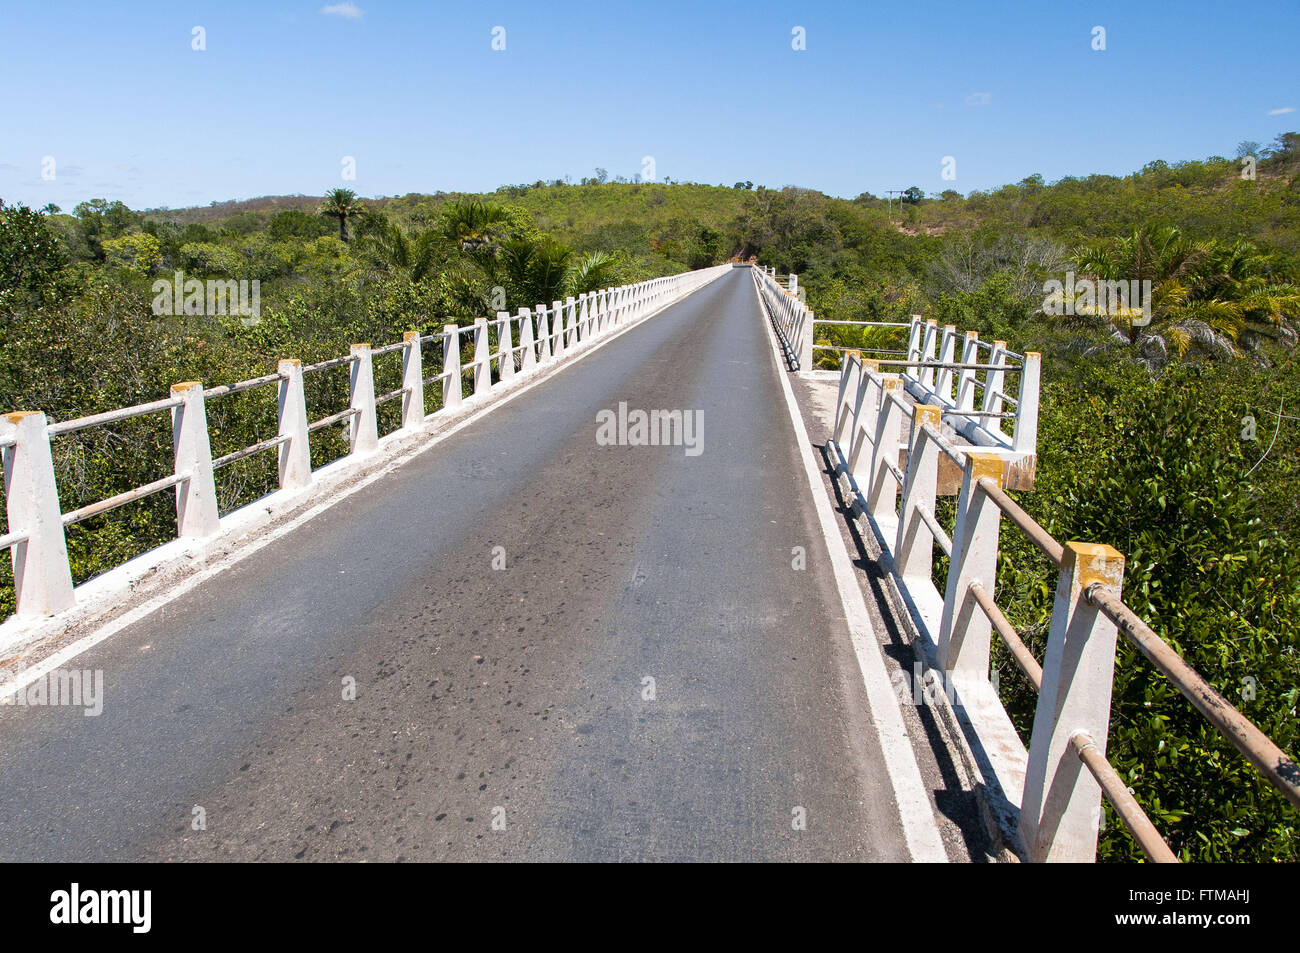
919	826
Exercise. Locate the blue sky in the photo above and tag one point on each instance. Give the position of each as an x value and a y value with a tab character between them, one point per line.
713	91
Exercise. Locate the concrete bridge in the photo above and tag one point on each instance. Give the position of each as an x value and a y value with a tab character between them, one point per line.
654	589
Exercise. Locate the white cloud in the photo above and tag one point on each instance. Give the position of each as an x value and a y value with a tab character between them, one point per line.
979	99
349	10
1282	111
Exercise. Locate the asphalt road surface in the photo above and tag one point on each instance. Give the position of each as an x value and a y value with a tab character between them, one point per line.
500	713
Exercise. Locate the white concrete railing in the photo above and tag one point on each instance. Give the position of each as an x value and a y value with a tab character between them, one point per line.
546	334
896	461
965	377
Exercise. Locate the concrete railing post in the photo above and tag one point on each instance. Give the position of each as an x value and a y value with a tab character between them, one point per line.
42	577
363	432
845	401
931	343
1026	436
412	382
482	359
196	495
559	310
545	332
947	355
965	630
804	347
970	354
994	381
866	408
451	383
295	452
914	546
527	341
505	348
915	336
576	320
597	303
1060	810
882	501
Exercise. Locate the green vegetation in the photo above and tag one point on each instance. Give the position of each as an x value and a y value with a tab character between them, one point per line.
1144	434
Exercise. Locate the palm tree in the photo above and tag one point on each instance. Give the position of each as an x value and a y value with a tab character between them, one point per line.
475	227
385	242
1204	294
341	204
592	272
535	270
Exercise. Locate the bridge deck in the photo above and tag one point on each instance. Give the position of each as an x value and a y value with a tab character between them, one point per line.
520	688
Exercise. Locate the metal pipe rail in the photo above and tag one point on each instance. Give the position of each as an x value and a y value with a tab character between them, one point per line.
546	335
241	386
941	537
111	416
1019	651
121	499
249	451
864	324
324	422
1125	804
13	539
1074	679
1271	761
1040	537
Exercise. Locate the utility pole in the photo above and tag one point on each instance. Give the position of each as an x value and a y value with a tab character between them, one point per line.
889	214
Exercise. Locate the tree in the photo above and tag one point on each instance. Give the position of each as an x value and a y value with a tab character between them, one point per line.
98	219
535	271
295	223
913	196
138	251
343	205
31	260
475	227
591	273
1205	294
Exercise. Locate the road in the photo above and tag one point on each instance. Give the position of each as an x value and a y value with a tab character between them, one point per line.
500	714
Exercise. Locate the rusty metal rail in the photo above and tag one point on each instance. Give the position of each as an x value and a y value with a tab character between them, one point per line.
1125	804
1040	537
112	416
1274	763
225	389
1019	651
249	451
121	499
